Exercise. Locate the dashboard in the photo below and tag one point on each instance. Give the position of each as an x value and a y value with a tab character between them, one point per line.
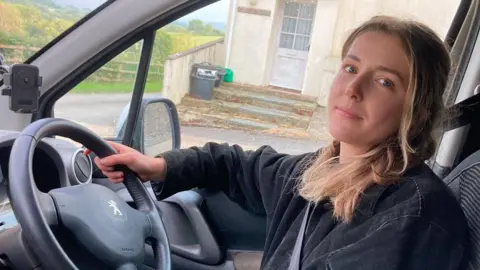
56	163
60	163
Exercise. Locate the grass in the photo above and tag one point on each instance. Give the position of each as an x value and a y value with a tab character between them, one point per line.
92	87
197	40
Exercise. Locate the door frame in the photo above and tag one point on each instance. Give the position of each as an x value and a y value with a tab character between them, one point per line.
275	40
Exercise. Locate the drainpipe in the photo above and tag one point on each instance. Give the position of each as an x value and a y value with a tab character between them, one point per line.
230	32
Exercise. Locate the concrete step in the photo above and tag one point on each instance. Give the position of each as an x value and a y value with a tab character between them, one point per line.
270	91
201	118
265	100
247	111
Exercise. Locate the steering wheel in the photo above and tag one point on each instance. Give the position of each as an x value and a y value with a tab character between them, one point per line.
104	223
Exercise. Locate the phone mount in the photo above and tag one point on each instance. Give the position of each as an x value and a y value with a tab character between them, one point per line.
21	82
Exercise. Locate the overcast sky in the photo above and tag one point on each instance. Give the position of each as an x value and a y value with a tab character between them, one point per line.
216	12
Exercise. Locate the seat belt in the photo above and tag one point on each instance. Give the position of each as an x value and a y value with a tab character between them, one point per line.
295	261
461	114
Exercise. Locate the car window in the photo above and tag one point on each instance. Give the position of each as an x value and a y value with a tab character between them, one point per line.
28	25
252	74
98	101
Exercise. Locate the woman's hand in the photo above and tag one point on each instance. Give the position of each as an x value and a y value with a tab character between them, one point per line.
147	168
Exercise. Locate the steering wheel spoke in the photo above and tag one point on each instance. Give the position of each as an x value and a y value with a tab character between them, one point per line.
158	239
48	209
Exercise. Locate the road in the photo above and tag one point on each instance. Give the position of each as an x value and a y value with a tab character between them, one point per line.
92	109
100	112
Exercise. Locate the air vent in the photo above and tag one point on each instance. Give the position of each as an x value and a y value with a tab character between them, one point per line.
81	168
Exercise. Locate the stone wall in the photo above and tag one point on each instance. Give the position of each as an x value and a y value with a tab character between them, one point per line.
178	66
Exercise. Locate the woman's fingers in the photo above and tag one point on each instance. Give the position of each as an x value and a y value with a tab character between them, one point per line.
87	151
102	167
125	157
115	177
120	148
116	180
118	159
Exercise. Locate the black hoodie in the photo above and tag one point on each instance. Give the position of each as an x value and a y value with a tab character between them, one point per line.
415	224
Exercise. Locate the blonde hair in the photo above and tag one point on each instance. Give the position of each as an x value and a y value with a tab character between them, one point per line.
413	142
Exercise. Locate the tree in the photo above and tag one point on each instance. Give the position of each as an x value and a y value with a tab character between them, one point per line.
10	18
182	42
196	26
162	49
175	28
208	31
218	33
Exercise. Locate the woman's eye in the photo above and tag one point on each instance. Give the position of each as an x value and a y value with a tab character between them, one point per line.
349	69
386	83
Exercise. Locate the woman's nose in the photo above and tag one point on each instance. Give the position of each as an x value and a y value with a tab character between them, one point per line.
354	89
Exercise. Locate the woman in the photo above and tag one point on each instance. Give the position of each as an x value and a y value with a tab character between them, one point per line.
368	200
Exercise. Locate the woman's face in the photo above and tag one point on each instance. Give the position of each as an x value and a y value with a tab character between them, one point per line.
367	95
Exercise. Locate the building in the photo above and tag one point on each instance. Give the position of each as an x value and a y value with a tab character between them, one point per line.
296	44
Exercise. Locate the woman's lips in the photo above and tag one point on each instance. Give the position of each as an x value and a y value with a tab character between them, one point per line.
347	113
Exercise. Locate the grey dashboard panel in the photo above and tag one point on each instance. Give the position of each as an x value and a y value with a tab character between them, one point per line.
19	254
206	248
70	165
180	263
242	234
188	230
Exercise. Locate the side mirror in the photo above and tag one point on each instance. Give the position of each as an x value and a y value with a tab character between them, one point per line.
157	129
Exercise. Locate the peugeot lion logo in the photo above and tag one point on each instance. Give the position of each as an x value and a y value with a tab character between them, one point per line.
116	211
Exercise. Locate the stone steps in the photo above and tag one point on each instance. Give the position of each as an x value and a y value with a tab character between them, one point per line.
190	117
247	111
300	107
269	91
250	108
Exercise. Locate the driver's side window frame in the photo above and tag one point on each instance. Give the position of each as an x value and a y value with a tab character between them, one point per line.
125	134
